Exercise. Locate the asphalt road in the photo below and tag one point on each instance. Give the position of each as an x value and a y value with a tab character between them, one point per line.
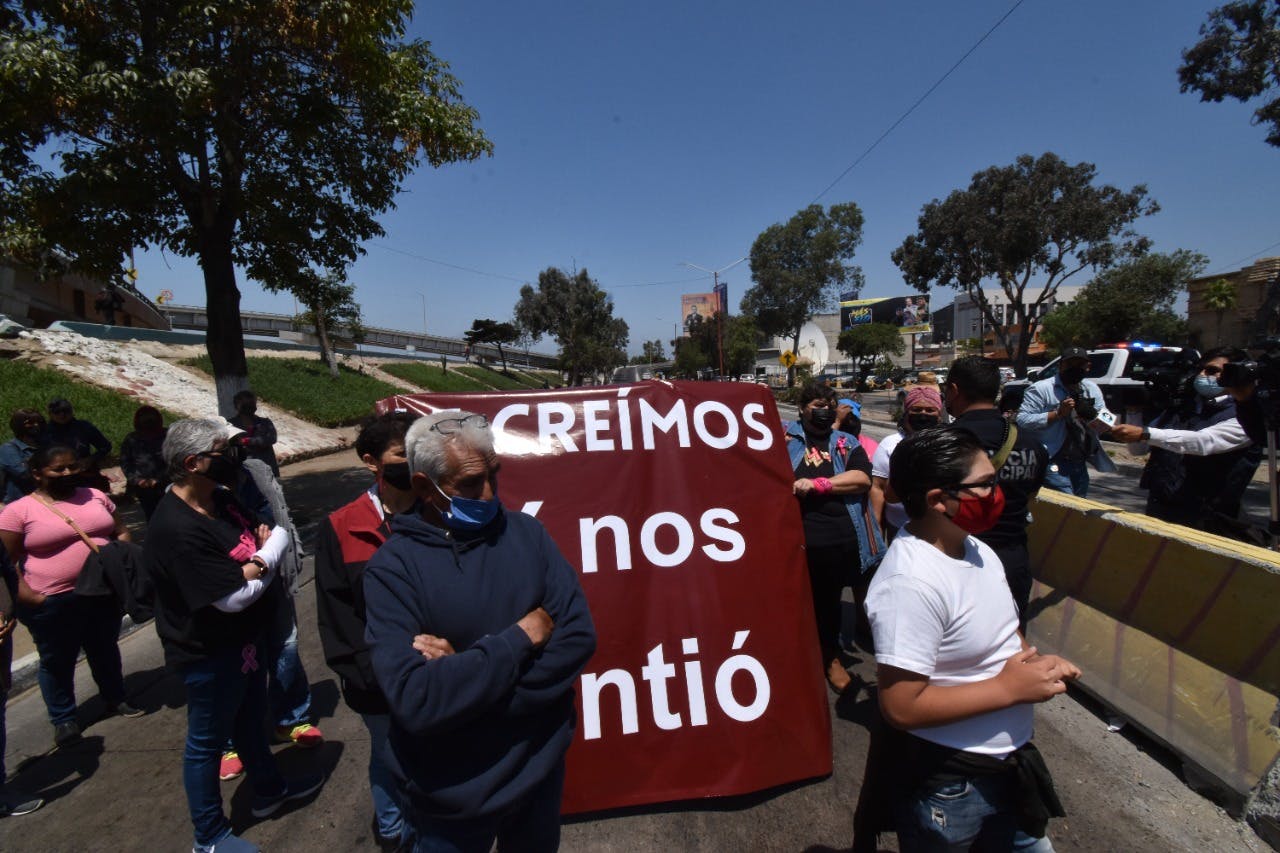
121	788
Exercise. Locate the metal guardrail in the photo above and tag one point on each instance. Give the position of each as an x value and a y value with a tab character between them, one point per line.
264	323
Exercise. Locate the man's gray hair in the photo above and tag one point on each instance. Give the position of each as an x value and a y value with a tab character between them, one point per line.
425	446
189	437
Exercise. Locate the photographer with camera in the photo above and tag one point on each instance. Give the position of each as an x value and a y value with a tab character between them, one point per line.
1066	412
1201	460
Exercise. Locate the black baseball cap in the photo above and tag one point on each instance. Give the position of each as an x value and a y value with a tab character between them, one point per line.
1074	352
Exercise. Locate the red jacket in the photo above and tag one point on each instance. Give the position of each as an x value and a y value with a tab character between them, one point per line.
346	541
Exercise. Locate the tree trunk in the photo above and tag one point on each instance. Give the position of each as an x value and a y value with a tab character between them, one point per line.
224	339
327	354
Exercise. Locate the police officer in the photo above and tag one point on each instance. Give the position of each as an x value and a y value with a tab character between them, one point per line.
1020	460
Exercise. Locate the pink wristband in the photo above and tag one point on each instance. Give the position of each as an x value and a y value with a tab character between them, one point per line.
822	485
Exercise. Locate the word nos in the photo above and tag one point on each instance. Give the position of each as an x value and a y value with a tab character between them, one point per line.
657	671
610	425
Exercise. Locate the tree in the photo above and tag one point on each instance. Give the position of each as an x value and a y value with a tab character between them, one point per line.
256	134
1238	56
579	315
695	352
330	304
1220	297
799	266
651	353
493	332
1131	301
1039	218
867	342
741	345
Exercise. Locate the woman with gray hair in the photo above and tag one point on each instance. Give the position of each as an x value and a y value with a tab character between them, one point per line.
214	567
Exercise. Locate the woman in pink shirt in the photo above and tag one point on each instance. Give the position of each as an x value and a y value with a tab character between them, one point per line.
40	534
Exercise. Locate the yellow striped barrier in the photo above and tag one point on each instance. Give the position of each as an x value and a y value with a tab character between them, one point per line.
1177	630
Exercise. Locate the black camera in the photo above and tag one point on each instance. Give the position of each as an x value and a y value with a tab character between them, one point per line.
1264	370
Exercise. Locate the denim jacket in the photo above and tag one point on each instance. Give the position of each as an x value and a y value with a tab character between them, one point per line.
871	545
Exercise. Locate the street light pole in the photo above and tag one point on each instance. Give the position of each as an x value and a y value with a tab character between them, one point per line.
715	278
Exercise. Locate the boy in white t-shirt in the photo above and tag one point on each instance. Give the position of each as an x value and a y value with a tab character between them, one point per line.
954	673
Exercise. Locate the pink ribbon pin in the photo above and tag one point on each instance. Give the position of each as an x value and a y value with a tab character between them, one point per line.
249	654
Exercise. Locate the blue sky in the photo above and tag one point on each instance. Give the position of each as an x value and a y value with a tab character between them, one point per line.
631	137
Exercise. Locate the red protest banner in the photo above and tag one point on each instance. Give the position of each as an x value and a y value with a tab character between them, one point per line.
673	500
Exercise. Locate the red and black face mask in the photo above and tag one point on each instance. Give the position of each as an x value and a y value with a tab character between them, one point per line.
977	514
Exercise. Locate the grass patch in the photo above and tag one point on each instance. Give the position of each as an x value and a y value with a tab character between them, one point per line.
551	377
303	387
493	378
25	386
432	378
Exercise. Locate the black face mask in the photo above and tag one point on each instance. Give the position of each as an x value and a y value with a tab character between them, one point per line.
919	422
396	475
61	488
822	420
853	426
223	470
1073	375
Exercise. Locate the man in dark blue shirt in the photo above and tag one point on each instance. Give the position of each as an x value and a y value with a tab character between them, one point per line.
477	630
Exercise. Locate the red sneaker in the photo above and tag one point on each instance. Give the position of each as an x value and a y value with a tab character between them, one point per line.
231	767
304	735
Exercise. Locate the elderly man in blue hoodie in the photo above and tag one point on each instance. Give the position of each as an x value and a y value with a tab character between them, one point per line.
477	629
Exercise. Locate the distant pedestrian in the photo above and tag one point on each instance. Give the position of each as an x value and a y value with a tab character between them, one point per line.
260	433
28	427
49	534
215	571
66	430
346	541
146	476
107	303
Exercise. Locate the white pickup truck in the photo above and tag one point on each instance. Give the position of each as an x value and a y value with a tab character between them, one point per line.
1124	375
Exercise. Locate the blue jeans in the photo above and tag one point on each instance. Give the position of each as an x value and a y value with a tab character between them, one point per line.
1070	476
533	826
976	814
226	698
63	625
382	783
289	693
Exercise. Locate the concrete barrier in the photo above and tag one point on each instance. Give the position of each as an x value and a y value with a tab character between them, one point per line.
1175	629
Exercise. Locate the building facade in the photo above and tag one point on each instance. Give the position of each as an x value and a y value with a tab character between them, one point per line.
1234	326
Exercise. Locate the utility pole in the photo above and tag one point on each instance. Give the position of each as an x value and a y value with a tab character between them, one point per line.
722	298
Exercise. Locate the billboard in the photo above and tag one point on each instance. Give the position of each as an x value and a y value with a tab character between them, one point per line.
909	313
706	681
703	305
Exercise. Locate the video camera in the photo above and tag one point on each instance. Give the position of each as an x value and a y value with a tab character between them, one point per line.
1168	376
1264	370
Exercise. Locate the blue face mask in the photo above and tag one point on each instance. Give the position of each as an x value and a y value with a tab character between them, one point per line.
1207	386
467	515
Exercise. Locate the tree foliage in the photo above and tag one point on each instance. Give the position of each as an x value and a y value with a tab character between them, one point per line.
1031	225
255	134
1238	56
1220	297
867	342
651	352
1132	301
579	315
331	305
741	345
800	265
493	332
